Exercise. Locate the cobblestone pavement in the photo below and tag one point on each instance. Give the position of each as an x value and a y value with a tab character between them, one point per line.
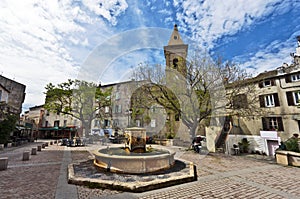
219	176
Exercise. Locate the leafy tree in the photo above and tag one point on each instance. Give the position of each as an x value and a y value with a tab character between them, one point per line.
82	100
206	89
6	127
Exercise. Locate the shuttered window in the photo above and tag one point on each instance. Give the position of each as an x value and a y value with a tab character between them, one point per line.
270	100
272	123
267	83
293	98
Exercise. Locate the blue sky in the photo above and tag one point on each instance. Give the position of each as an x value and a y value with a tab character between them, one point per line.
50	41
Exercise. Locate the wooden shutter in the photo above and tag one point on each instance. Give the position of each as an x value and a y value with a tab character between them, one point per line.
264	123
276	99
273	83
290	99
288	79
280	124
262	101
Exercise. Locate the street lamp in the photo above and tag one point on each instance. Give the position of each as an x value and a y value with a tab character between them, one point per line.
129	111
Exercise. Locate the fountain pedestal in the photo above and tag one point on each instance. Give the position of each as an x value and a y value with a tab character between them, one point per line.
136	139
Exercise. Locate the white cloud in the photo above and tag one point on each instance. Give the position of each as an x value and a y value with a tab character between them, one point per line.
46	41
108	9
270	57
210	20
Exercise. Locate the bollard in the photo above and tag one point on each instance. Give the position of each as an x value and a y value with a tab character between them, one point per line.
43	146
46	144
3	163
51	143
25	155
39	148
33	151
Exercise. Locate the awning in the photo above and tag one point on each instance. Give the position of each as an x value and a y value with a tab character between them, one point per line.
49	129
57	129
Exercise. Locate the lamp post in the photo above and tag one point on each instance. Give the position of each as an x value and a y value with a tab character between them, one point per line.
129	111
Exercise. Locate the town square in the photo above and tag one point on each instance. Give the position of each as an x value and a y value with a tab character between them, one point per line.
177	99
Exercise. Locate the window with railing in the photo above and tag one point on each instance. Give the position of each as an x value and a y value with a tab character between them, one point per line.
272	124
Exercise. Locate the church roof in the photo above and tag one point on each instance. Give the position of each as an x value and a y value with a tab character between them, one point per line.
175	38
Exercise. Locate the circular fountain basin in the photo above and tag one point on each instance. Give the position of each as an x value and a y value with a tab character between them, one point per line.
121	161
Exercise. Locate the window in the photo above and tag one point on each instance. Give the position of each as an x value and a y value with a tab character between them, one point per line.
138	123
117	109
240	101
295	77
292	78
117	95
65	123
46	124
56	123
293	98
296	96
272	123
267	83
106	109
153	123
270	100
96	123
0	95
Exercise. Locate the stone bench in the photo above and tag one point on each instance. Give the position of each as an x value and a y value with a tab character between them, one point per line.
3	163
25	156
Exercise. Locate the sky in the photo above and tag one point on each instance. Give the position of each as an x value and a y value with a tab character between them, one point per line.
45	42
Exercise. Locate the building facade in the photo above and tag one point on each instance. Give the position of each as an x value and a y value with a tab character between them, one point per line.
278	93
13	93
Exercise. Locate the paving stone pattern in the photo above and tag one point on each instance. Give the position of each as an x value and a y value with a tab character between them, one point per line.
219	176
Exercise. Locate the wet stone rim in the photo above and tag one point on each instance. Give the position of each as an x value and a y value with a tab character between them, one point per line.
79	174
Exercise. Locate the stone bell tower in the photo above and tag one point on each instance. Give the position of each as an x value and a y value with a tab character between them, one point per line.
175	55
176	72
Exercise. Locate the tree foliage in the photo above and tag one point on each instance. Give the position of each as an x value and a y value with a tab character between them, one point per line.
80	99
6	127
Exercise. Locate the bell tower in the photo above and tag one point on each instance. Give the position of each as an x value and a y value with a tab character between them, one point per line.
175	54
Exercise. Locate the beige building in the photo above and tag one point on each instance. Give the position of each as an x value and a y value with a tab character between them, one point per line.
278	92
51	125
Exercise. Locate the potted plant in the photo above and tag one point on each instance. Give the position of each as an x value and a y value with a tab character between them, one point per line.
289	152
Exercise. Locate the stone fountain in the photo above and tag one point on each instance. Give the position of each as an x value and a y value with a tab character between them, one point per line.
134	157
134	167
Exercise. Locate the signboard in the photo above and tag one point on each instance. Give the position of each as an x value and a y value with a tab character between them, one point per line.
268	134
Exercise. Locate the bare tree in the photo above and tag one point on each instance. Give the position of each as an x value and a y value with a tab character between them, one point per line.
208	88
